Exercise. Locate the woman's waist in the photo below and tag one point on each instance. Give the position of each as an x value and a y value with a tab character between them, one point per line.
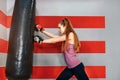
72	62
71	59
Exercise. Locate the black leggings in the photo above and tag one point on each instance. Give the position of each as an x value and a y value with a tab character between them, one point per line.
78	71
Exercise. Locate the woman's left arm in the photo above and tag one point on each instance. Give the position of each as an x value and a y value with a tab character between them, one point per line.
55	39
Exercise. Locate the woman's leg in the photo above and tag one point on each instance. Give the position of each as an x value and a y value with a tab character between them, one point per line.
80	73
65	75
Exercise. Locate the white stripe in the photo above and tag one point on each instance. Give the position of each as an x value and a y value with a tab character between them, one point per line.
3	59
84	7
10	7
3	32
65	8
3	6
83	34
58	59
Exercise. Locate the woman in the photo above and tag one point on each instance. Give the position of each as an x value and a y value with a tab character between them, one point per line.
70	46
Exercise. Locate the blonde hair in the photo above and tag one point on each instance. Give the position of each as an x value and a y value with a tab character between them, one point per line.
66	23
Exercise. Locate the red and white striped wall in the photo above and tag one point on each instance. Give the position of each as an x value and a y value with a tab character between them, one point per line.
91	24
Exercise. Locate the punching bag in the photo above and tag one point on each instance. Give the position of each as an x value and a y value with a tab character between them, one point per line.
20	49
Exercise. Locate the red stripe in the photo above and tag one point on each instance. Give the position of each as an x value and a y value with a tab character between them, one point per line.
3	46
9	19
87	47
2	73
77	21
54	71
3	19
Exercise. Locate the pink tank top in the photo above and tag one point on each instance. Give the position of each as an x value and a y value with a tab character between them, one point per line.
70	56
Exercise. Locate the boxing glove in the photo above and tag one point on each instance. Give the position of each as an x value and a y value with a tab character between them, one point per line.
38	39
39	28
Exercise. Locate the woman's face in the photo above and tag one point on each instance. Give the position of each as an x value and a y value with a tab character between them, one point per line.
61	28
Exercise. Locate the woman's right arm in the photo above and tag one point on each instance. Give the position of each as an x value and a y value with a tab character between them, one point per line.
40	28
49	34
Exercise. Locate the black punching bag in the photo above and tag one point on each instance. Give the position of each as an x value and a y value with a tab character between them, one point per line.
20	49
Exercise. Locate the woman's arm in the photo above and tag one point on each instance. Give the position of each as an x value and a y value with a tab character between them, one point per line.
38	27
55	39
49	34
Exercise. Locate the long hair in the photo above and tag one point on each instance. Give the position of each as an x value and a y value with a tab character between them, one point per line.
69	28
